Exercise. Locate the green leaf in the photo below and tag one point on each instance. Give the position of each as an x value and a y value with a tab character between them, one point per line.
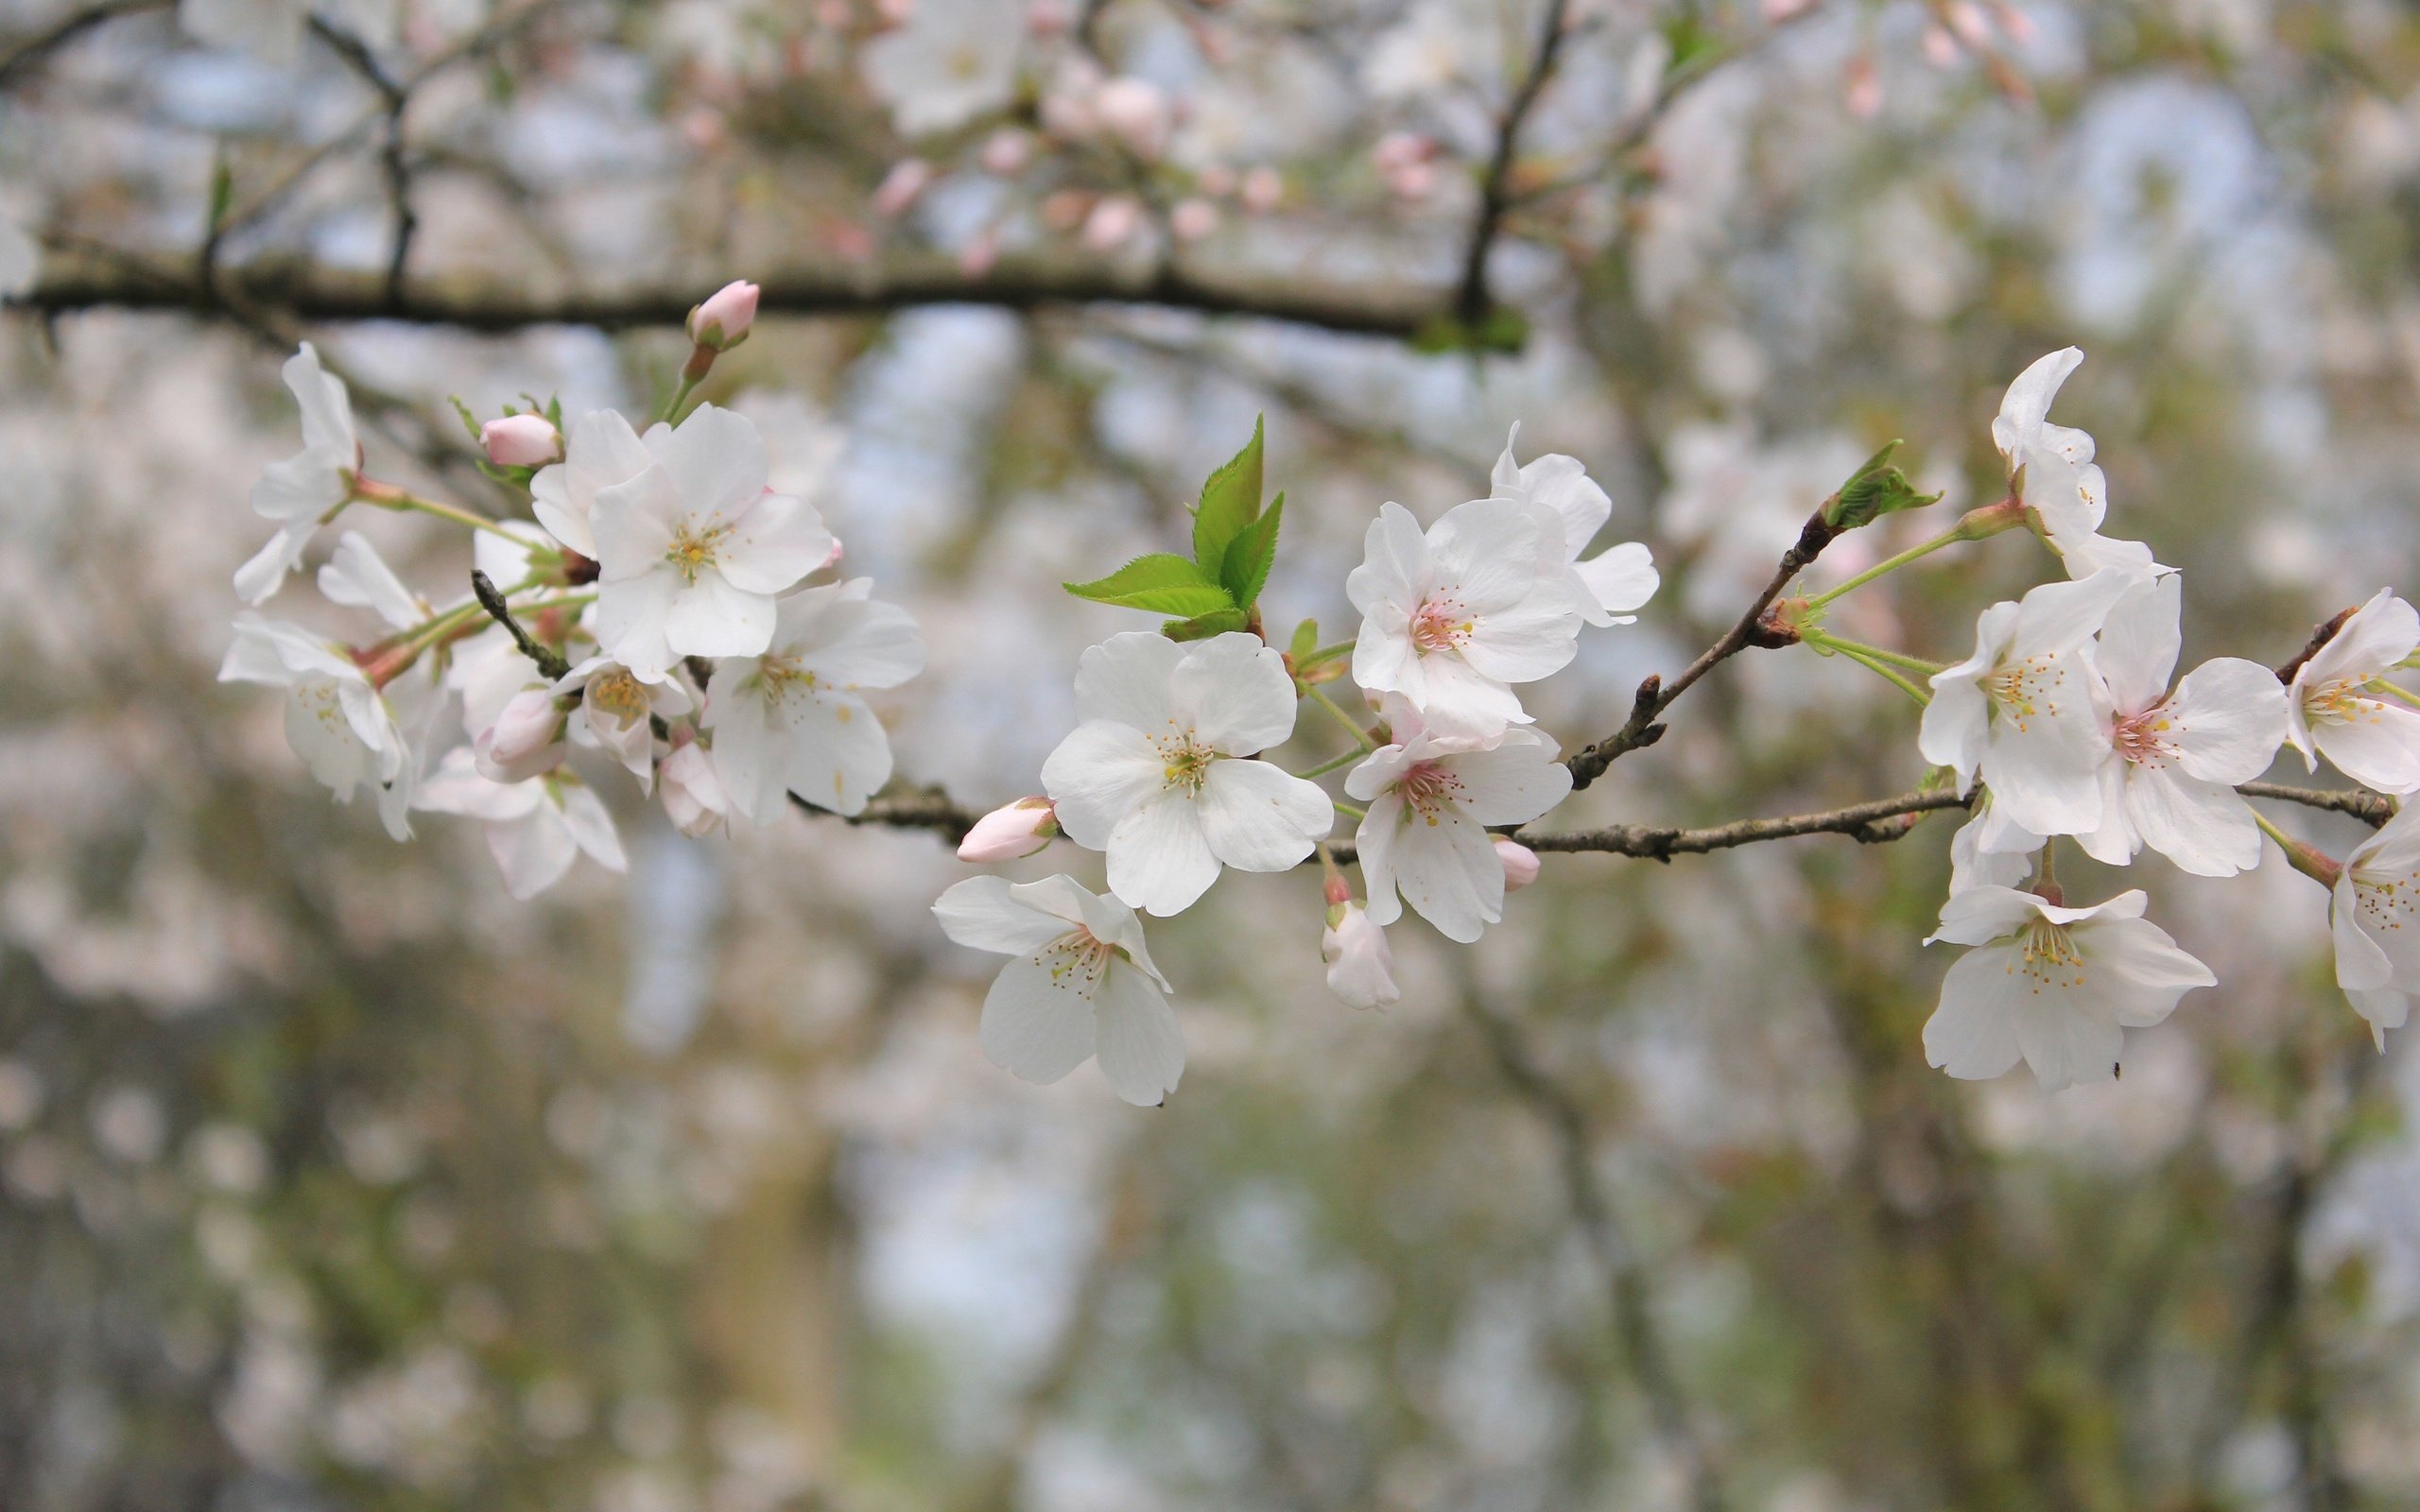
470	421
1872	491
1229	501
1202	627
1162	582
1251	555
1305	641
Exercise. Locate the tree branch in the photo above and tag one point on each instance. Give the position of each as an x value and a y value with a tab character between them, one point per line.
1472	302
551	664
1655	695
43	43
2373	809
311	293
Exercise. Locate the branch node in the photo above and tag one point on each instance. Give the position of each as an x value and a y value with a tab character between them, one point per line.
551	664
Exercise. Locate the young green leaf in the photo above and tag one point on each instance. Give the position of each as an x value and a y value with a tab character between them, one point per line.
1229	501
1251	555
1305	641
1202	627
1874	490
1162	582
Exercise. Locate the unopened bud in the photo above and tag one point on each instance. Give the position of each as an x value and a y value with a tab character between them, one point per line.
1361	967
1520	864
522	441
722	323
1006	833
525	741
694	796
1113	222
1007	151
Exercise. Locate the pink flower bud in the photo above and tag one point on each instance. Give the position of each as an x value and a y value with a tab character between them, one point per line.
521	441
1398	150
1193	219
1262	190
1940	48
901	186
1361	967
1863	96
694	796
1019	829
1134	111
525	741
722	321
1968	21
1520	864
1007	151
1113	223
1413	180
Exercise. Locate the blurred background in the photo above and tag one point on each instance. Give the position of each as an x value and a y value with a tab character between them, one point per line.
331	1177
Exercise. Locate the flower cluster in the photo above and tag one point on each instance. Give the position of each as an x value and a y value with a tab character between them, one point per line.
1167	773
663	608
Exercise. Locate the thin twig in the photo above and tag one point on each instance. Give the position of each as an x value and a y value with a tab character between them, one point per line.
2373	809
1655	695
2321	634
43	43
398	97
1472	302
551	664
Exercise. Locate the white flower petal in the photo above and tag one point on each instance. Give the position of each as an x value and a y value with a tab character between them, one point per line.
1125	679
1257	818
1036	1026
1159	859
1101	772
1135	1033
1971	1033
1235	693
979	912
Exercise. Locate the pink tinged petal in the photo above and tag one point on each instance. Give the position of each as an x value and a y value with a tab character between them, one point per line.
2380	633
591	828
2137	968
1447	868
776	541
634	524
717	460
2227	718
2206	828
2067	1037
1234	693
1141	1049
715	617
1513	784
2027	403
1487	552
2380	747
1100	774
1125	679
1159	859
1971	1033
1259	818
1378	771
631	618
2384	1009
2139	641
1532	639
533	851
979	914
1036	1026
1978	915
1621	577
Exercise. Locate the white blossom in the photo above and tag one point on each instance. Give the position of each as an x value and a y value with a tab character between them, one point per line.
2333	711
617	711
535	828
2375	916
357	577
693	550
343	729
1432	798
1361	967
601	452
2021	713
792	720
2056	986
694	797
488	668
1082	984
1155	773
2053	468
954	60
1987	851
306	490
2175	757
1451	618
1609	584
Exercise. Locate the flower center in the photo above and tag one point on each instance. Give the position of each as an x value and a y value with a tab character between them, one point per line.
1428	789
2027	690
1440	625
2147	739
693	549
619	695
1078	962
2339	701
321	701
1183	763
2387	900
2049	956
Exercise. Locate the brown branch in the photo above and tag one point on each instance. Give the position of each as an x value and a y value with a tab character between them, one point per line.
1655	695
2373	809
43	43
551	664
398	97
1473	301
2321	634
310	293
909	808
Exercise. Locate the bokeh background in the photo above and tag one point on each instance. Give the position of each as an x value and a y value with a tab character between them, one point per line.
331	1178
